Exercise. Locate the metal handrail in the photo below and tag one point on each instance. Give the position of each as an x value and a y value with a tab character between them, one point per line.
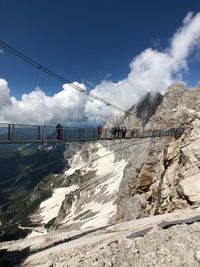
22	133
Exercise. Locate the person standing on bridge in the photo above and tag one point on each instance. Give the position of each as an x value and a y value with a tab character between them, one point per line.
99	131
118	131
123	130
59	131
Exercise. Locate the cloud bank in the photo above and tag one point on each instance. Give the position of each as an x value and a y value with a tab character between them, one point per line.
151	70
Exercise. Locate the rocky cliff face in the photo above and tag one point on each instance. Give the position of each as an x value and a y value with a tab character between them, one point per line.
162	183
139	114
180	107
118	180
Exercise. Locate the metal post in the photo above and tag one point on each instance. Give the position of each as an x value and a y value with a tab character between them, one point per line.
79	133
85	134
38	132
13	134
67	134
8	132
44	135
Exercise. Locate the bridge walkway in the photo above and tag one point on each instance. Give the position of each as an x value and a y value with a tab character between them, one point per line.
22	134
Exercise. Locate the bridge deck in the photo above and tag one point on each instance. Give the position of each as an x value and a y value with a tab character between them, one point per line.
23	134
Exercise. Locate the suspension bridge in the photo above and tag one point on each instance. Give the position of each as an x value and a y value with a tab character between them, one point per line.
23	134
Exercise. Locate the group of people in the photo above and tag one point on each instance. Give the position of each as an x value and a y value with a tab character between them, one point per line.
118	132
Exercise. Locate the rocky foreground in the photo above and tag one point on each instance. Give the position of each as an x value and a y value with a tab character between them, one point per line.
163	240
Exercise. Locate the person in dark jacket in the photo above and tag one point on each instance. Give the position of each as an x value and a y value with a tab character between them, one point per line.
59	131
118	131
114	132
124	132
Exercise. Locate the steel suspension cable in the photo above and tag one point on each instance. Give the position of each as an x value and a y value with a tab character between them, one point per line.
58	77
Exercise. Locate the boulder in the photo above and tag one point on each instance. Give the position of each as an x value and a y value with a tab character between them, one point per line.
189	188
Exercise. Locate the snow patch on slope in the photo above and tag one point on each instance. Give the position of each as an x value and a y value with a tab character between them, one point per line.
99	192
103	213
108	165
75	163
49	208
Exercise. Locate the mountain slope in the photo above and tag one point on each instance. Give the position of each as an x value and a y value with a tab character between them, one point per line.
117	180
21	170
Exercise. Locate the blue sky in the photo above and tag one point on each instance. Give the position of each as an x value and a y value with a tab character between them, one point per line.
85	40
117	49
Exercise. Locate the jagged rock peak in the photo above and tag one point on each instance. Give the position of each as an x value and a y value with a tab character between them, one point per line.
139	114
148	105
175	88
180	107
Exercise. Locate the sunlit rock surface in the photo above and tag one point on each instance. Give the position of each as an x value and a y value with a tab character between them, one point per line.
165	240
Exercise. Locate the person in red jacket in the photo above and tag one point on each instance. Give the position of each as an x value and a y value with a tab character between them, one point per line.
99	131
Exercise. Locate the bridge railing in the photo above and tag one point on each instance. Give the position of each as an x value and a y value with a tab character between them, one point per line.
19	133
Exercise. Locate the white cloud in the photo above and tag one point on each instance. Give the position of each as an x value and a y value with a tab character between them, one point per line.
151	70
37	107
1	52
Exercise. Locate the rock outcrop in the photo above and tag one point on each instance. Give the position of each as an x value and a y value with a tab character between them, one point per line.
179	108
189	189
112	181
164	240
139	114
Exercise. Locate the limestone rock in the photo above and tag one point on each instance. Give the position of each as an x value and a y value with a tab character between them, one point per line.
144	242
189	188
179	107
